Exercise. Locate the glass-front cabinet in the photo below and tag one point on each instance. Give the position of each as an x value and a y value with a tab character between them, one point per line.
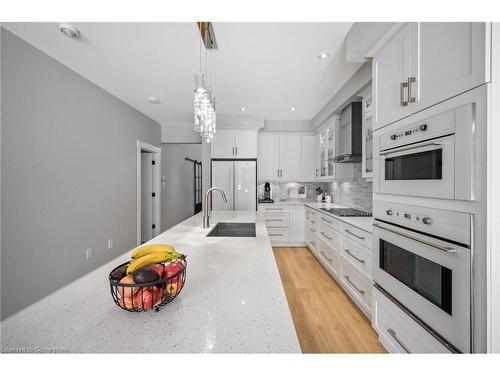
367	140
326	146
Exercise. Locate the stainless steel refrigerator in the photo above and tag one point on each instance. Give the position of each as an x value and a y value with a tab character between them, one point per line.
238	179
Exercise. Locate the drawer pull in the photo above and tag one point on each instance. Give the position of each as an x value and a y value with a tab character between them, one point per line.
324	256
313	230
323	233
395	337
274	219
312	221
313	242
354	285
273	209
354	256
328	221
355	235
276	234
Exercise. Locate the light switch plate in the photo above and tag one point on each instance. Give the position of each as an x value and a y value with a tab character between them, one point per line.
89	253
110	244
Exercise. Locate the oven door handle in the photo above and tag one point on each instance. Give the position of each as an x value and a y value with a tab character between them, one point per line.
428	243
413	147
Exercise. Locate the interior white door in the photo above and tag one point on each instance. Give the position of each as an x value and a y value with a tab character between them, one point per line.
147	183
245	185
269	157
308	159
245	145
223	177
390	72
223	146
448	58
290	159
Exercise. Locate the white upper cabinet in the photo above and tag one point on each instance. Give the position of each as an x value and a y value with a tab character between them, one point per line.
308	158
426	63
448	58
269	157
390	71
291	157
235	144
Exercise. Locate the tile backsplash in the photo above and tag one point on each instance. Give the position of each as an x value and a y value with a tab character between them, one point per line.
355	193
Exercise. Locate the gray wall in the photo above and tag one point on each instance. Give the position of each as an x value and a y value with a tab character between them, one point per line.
68	157
177	193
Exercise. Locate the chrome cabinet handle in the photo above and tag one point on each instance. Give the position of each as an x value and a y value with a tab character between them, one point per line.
354	285
402	87
312	221
324	256
316	172
428	243
313	230
410	81
411	147
323	233
276	234
278	172
395	337
313	242
328	221
274	219
236	150
353	234
354	256
273	209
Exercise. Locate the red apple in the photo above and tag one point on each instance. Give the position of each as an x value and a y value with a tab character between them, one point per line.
172	268
127	303
148	297
127	292
158	268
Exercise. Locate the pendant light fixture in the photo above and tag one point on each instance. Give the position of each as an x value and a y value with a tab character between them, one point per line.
204	113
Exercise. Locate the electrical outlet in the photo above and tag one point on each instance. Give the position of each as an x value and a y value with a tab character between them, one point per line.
89	253
110	244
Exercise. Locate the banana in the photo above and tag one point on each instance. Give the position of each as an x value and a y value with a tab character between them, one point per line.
151	249
146	260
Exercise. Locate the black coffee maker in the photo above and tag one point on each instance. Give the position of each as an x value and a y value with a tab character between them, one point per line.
267	191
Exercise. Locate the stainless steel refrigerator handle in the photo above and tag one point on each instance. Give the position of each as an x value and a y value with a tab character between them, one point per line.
395	337
410	81
428	243
402	87
404	148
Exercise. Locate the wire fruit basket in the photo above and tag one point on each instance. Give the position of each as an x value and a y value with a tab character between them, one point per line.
137	297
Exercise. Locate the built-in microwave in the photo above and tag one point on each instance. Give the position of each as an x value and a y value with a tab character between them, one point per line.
430	158
422	259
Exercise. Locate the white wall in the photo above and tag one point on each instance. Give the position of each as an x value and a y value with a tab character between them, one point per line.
181	132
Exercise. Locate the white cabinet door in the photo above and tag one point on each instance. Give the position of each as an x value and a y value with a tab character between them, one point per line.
245	145
223	146
308	159
448	58
390	72
297	224
268	159
290	157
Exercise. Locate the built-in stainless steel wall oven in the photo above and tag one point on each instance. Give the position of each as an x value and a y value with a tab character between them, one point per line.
422	258
431	158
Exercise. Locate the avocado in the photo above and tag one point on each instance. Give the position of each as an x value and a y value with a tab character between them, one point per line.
145	275
118	273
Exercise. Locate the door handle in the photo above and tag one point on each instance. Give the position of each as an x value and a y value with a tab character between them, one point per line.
395	337
410	81
324	256
324	234
362	261
402	87
233	150
348	279
236	150
353	234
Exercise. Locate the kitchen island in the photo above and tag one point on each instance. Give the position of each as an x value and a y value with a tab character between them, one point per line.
233	302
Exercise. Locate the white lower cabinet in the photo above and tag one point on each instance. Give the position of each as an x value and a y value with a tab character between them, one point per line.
285	224
345	251
398	332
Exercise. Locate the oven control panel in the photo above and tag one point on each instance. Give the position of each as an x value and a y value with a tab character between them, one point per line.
407	132
411	216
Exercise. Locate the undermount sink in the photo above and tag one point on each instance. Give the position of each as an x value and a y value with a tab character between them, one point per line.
233	230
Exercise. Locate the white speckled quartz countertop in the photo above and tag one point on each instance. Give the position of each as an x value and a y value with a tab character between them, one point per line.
291	202
363	222
233	302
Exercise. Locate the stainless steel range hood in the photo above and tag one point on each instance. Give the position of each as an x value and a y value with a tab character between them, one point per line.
348	135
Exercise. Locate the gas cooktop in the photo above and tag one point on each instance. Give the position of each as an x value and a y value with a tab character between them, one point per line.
346	212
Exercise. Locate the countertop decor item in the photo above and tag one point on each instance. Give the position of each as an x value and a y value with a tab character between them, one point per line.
136	297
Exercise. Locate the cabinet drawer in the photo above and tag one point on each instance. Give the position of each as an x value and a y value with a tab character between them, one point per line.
278	234
329	257
330	221
358	256
358	235
398	332
273	208
358	286
276	219
311	214
329	236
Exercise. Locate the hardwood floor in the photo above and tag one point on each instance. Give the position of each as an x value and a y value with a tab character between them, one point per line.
325	318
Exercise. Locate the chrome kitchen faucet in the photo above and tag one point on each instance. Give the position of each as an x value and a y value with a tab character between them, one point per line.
206	211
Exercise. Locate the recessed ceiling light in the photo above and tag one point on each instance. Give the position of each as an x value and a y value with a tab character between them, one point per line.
153	99
69	31
292	109
243	109
323	55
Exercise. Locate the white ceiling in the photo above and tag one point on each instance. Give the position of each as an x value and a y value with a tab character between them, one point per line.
265	67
